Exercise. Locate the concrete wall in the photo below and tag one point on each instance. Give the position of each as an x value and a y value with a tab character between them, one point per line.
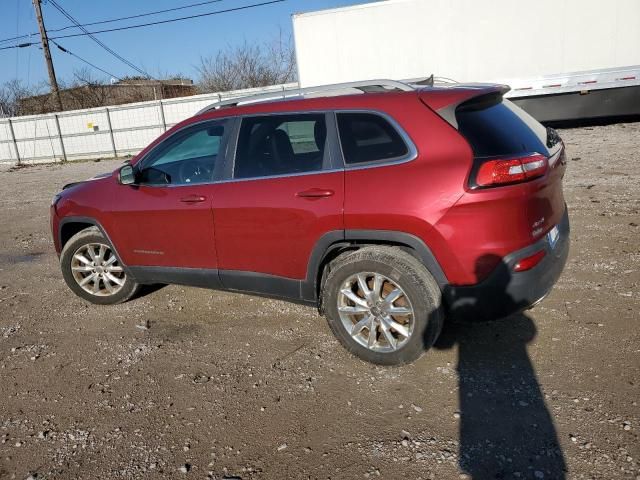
102	132
467	40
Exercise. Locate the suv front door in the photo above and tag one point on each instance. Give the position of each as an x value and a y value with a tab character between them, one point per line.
285	192
165	219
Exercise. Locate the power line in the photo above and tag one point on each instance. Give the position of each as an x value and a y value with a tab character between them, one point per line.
218	12
99	42
18	37
61	48
17	33
29	58
140	25
121	18
21	45
11	39
140	15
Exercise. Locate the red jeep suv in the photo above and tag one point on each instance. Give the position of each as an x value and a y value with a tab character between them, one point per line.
388	206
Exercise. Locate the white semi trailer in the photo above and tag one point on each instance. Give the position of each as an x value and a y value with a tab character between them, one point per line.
563	59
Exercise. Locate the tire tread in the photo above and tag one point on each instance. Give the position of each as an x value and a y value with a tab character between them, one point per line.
412	271
90	235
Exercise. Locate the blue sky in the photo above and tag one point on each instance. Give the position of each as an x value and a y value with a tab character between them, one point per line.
169	48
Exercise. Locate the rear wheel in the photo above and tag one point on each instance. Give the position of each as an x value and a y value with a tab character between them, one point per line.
382	304
93	271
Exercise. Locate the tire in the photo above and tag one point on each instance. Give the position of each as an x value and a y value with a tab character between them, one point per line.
395	270
114	284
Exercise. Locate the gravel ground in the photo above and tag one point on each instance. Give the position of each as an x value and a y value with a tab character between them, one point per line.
190	383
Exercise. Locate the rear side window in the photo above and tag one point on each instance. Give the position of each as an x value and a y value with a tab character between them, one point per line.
367	137
501	129
281	145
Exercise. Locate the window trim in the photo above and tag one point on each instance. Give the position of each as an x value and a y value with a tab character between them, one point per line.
412	151
225	142
224	173
332	163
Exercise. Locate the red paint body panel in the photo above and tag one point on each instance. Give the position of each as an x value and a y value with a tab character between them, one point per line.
499	221
261	225
412	197
155	228
149	226
54	224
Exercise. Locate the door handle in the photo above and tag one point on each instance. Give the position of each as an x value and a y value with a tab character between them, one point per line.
315	193
193	199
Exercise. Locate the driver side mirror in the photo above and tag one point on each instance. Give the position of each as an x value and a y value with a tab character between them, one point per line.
126	175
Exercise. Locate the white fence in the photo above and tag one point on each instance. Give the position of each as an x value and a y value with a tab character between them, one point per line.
101	132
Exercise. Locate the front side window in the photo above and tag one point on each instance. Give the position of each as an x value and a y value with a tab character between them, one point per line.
367	137
281	145
186	158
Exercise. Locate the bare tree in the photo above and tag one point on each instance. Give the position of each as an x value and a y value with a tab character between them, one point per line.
11	92
85	91
282	55
248	66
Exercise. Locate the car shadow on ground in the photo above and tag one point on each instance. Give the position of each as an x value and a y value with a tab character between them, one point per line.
146	290
506	429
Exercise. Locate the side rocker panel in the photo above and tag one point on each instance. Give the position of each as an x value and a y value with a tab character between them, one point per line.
304	291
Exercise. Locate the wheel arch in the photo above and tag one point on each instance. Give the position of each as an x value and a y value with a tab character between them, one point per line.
70	226
334	243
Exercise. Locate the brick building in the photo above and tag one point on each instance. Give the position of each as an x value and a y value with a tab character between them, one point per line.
99	95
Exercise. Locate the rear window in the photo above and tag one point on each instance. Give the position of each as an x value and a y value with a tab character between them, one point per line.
366	137
501	129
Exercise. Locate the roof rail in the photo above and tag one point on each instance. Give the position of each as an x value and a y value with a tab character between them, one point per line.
367	86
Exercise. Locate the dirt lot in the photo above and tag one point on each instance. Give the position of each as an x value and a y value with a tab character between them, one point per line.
231	386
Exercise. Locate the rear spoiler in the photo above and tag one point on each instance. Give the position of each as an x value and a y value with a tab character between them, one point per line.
446	101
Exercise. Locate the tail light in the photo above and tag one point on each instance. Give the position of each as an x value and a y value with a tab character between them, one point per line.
505	171
529	262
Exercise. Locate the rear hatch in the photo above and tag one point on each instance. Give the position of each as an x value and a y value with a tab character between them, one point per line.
514	185
510	147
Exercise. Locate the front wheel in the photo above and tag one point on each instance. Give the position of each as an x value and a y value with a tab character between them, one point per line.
92	270
382	304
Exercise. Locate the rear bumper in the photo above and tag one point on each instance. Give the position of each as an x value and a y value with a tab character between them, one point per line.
506	292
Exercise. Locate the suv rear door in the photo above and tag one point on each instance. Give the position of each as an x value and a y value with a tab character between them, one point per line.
283	193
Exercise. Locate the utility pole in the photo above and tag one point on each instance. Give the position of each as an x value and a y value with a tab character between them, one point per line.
47	55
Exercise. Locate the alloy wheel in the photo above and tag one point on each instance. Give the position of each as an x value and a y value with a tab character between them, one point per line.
97	271
376	312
